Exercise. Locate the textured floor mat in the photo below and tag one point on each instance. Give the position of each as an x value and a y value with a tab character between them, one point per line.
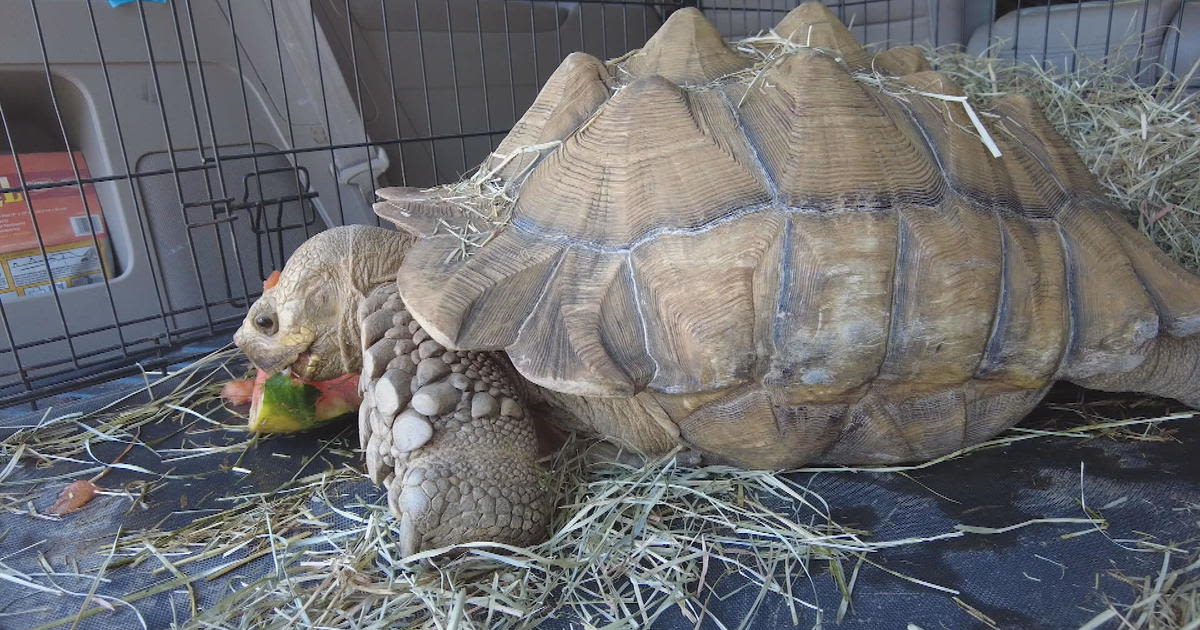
1048	575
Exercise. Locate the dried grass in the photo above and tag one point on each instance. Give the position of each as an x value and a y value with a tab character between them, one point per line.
629	545
487	197
67	440
1141	142
1168	600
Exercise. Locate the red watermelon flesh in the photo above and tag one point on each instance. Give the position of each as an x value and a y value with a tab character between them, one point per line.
282	403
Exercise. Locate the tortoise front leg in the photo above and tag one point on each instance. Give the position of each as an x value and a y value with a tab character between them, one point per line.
446	433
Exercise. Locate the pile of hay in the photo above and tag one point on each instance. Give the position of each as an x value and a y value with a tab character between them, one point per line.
1141	142
628	544
1167	600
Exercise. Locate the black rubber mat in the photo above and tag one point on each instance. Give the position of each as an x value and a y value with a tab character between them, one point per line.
1033	577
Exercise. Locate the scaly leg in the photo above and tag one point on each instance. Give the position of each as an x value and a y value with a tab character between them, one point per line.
446	433
1171	370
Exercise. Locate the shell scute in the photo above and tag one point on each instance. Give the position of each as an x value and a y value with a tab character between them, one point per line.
479	302
595	342
827	143
688	49
644	164
953	142
1112	317
829	318
836	240
1030	330
944	296
900	61
572	93
812	24
703	339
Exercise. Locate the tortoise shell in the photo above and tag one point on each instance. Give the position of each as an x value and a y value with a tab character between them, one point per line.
821	245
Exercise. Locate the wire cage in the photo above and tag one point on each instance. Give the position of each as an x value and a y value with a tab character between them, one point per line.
206	139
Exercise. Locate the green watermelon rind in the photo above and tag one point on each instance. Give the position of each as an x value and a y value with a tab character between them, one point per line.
290	405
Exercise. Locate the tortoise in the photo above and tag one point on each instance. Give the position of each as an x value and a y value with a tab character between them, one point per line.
825	263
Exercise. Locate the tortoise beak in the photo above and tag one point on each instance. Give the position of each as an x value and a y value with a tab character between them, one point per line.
271	355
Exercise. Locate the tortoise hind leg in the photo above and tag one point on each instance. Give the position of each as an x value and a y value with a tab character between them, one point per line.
1172	365
446	434
1171	370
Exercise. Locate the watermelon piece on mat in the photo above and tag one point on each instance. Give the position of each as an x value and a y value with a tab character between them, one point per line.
285	404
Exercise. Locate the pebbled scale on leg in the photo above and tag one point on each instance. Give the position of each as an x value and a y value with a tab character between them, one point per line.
446	434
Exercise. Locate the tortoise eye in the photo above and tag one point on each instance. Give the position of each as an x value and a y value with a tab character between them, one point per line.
265	323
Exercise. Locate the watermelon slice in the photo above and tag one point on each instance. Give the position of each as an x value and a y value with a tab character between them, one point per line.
284	404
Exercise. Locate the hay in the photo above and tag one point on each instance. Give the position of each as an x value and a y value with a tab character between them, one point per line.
487	197
1168	600
1141	142
67	439
629	544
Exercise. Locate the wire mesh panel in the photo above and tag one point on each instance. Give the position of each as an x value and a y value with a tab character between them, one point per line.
874	22
1128	34
158	160
1143	37
208	138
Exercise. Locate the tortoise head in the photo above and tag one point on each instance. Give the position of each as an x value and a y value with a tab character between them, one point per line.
307	322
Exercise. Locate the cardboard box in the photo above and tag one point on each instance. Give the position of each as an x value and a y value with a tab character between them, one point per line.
66	228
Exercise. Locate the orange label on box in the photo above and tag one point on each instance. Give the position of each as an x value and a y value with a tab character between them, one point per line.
65	220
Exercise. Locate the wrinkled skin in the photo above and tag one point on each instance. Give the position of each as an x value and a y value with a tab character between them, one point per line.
308	321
